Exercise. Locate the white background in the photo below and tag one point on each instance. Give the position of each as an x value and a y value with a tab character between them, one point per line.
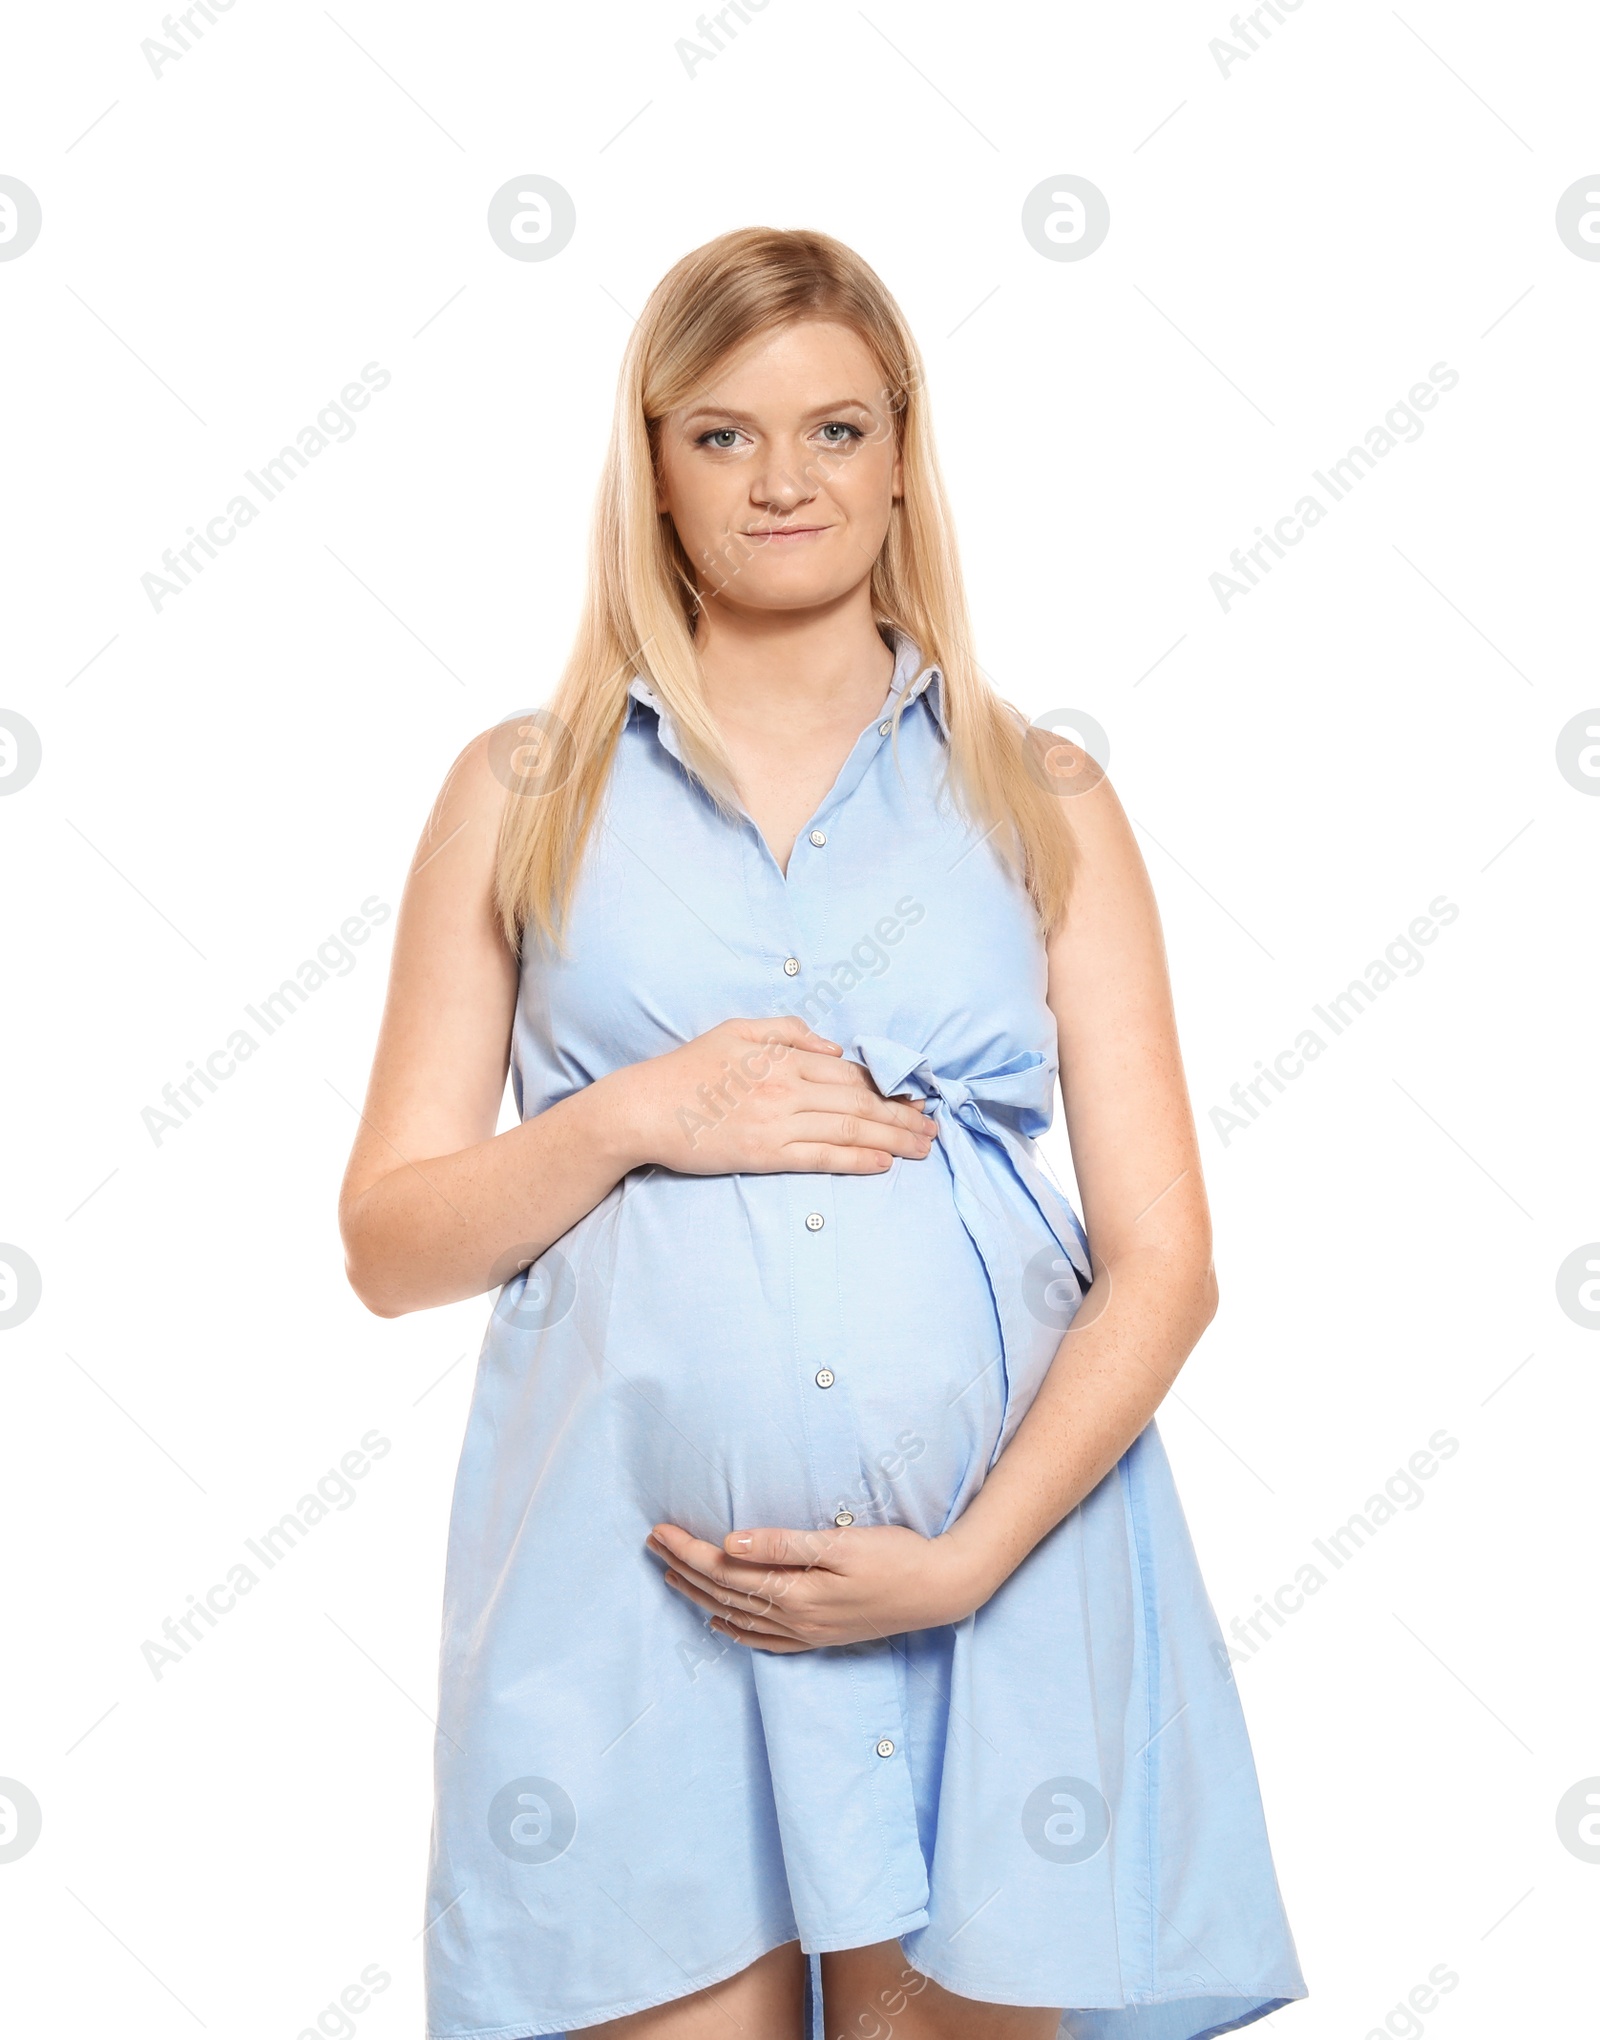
1292	247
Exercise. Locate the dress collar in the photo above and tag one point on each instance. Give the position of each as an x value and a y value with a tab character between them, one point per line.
640	690
912	678
909	680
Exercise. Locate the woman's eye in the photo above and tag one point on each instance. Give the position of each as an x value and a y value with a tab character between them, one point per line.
848	433
722	438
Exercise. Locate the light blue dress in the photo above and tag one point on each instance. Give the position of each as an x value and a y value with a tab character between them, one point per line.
1052	1802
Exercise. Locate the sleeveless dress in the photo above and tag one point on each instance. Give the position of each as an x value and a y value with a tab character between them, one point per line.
1052	1802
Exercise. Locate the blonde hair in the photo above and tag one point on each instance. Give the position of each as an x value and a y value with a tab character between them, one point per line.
639	613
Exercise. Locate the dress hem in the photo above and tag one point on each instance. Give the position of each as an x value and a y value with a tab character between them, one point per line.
522	2030
891	1930
542	2026
989	1994
902	1923
1262	2011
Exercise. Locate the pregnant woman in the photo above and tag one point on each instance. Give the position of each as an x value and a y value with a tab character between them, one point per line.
824	1649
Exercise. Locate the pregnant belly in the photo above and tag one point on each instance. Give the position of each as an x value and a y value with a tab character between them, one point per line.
758	1370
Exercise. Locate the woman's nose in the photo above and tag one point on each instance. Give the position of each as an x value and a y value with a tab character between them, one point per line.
784	481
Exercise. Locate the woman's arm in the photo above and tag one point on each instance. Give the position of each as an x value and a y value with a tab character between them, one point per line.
1137	1162
433	1200
437	1206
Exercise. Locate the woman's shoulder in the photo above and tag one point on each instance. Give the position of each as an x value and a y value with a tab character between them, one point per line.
1060	764
474	786
520	754
459	841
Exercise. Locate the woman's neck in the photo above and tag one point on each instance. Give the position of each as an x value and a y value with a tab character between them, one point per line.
790	693
791	673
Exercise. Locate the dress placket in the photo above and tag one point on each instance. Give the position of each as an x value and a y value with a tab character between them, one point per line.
835	1719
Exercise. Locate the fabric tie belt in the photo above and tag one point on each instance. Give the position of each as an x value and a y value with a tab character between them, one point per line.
1033	1248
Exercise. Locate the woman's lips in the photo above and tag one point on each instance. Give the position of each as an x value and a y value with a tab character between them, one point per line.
793	531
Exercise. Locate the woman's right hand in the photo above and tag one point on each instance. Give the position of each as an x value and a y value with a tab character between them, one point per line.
765	1097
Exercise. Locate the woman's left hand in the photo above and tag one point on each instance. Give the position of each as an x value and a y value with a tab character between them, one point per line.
790	1590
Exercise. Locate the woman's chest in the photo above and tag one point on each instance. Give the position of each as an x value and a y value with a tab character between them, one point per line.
895	917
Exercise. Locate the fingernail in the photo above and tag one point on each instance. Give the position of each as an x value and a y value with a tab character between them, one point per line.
741	1543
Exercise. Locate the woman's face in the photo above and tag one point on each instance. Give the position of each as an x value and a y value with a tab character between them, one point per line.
780	475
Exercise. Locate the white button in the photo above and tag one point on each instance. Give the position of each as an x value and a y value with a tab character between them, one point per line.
886	1748
824	1377
815	1221
844	1519
883	729
818	837
791	966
